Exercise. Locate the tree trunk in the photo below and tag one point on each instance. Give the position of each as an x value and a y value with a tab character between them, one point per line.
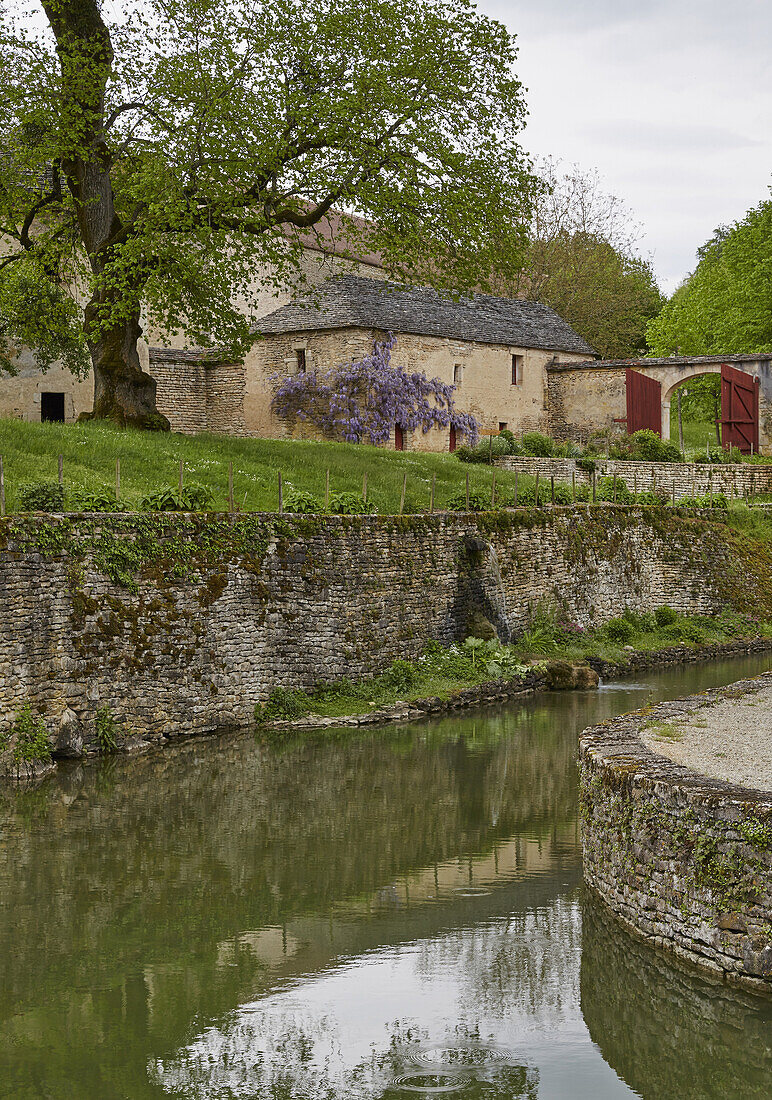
122	391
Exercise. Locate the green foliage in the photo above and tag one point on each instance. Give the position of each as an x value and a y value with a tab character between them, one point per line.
79	500
106	730
301	502
665	616
607	488
725	305
349	504
645	446
537	445
620	631
192	498
408	116
478	502
42	496
283	705
492	447
29	738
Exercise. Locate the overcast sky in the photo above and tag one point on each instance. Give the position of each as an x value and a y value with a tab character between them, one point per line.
671	100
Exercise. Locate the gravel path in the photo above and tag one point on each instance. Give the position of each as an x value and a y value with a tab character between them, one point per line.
726	738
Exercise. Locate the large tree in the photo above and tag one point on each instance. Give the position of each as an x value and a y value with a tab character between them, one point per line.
725	305
583	260
148	163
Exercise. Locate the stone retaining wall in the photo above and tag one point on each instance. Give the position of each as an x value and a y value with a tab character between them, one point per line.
736	480
681	859
182	623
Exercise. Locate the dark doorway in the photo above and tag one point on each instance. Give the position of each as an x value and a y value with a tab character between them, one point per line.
52	407
399	438
452	446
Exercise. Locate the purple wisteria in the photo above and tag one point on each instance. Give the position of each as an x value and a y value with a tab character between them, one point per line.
362	401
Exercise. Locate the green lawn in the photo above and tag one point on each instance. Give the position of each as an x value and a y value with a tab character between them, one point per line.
696	434
150	461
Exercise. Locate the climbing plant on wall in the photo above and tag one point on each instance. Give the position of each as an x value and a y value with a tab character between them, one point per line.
360	402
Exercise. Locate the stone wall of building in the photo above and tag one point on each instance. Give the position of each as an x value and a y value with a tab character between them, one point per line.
482	374
197	393
183	623
681	859
687	478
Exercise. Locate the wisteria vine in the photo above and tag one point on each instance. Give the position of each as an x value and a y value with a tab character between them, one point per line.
362	401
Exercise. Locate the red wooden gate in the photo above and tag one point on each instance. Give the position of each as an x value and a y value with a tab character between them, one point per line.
644	402
739	410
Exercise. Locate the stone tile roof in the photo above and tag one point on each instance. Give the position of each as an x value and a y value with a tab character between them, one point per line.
352	301
671	361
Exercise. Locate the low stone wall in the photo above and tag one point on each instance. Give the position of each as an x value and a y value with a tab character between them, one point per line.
182	623
681	859
198	393
689	478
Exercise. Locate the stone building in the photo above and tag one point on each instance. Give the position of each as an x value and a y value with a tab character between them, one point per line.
495	350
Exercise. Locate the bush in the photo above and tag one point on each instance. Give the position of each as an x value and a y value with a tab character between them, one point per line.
107	730
283	705
193	498
42	496
665	616
31	738
646	446
349	504
401	675
604	490
478	502
538	445
496	446
300	502
79	500
653	499
620	631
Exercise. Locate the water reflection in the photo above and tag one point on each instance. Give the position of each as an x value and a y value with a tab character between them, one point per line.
224	920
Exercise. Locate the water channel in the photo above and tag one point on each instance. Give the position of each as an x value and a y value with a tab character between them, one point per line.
365	916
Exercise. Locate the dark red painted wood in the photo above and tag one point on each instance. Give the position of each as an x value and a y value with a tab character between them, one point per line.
399	438
452	438
644	402
739	410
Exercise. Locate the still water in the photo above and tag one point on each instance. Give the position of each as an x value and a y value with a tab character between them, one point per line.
390	914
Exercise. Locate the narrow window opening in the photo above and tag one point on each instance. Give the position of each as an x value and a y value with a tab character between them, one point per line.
452	445
300	355
517	370
502	425
458	374
399	438
52	407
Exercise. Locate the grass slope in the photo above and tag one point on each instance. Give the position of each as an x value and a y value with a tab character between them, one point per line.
150	461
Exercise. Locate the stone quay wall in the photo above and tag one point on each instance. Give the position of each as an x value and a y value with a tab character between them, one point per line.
683	860
742	479
182	623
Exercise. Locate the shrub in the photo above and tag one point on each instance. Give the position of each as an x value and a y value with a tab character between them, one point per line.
349	504
492	447
647	446
653	499
401	675
513	446
106	729
604	490
79	500
478	502
620	631
665	616
193	498
538	445
42	496
586	463
283	704
29	737
300	502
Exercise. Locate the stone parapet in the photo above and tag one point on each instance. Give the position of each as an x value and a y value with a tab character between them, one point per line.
683	860
740	479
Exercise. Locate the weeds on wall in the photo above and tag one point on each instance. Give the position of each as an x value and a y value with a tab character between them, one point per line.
106	731
27	738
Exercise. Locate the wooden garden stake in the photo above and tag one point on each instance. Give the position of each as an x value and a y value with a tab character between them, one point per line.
635	483
402	498
467	490
536	491
493	489
2	488
674	492
573	486
281	495
364	486
117	479
490	450
594	487
431	498
552	488
182	475
514	499
231	505
615	488
61	469
327	492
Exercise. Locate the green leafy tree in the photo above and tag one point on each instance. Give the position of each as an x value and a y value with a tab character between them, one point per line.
725	306
149	162
582	260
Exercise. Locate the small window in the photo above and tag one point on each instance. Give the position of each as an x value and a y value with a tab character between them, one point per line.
458	374
517	370
502	425
300	355
52	407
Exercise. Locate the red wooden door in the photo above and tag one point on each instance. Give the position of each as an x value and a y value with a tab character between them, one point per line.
452	446
399	438
644	402
739	410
